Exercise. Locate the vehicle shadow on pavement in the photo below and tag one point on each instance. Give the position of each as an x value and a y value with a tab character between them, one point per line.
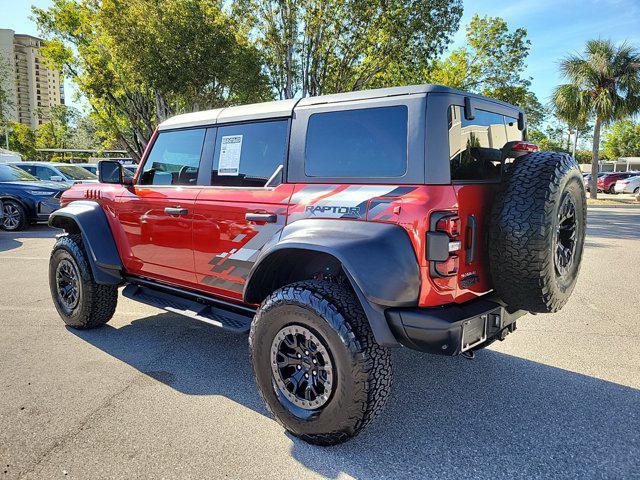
496	416
11	240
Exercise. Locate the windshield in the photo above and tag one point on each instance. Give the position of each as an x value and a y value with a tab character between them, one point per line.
9	173
76	173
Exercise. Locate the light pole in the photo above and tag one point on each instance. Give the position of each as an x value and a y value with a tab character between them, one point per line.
7	129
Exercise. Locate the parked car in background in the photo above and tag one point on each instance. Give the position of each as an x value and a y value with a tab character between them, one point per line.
128	170
607	182
628	185
58	172
25	199
587	178
92	167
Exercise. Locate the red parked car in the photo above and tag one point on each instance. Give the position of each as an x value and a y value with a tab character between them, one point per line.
606	183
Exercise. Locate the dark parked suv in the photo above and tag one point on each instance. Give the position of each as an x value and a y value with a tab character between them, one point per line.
331	229
25	199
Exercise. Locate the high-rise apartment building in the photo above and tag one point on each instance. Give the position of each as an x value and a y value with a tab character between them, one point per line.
33	88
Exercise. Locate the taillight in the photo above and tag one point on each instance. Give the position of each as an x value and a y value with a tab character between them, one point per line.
525	147
447	268
449	225
443	243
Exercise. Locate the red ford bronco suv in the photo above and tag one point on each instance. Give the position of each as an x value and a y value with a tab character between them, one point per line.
331	229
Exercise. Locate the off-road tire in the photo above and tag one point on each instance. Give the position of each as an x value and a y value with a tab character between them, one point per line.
97	303
363	367
20	211
522	231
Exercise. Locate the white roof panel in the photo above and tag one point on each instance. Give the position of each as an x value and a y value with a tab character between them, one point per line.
206	117
255	111
258	111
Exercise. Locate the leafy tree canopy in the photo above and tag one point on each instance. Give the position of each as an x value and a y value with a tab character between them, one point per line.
492	64
622	140
139	61
314	47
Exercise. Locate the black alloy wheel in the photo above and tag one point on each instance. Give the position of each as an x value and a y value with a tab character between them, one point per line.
565	237
302	367
68	285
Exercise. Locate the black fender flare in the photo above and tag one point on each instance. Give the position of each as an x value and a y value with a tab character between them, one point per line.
378	259
88	218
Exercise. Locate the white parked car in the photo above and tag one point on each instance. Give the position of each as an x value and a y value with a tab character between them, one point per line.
628	185
58	172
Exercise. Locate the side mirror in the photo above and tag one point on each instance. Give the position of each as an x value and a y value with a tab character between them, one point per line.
56	178
469	110
111	171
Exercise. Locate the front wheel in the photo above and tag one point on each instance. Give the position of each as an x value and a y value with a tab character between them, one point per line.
316	363
15	217
81	302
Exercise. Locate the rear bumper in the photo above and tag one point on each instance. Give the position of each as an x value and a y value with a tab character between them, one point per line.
451	329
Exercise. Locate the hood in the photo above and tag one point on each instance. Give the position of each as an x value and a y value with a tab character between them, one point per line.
36	185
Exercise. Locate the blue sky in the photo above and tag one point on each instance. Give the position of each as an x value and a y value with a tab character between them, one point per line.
555	28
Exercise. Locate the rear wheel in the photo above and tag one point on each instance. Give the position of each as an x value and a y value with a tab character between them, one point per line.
636	190
80	301
317	365
15	217
612	189
537	232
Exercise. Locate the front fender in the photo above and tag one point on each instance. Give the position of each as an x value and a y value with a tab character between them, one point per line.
88	219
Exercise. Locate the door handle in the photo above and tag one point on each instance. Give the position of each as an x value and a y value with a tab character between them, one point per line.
261	217
176	211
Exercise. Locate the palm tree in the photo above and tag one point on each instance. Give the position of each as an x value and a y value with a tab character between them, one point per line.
604	84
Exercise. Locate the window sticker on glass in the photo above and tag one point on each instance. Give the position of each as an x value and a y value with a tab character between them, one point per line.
230	151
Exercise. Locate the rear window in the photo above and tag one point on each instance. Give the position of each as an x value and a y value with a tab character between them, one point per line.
475	146
365	143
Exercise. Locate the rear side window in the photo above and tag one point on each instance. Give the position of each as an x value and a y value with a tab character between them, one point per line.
475	146
365	143
45	173
174	158
247	155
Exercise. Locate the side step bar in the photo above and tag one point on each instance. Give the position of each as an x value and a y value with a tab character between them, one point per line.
236	322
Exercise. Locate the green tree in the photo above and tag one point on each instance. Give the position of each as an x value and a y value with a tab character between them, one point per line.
86	135
622	139
140	61
6	101
604	84
57	131
492	64
22	139
314	47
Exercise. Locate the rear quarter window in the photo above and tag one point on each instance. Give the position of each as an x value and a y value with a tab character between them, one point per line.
475	146
364	143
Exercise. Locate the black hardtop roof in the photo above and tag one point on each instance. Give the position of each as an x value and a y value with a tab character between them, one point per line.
395	91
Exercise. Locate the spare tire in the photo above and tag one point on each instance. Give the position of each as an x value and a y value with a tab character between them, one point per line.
536	233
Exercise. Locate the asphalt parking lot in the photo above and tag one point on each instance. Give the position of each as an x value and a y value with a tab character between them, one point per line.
154	395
